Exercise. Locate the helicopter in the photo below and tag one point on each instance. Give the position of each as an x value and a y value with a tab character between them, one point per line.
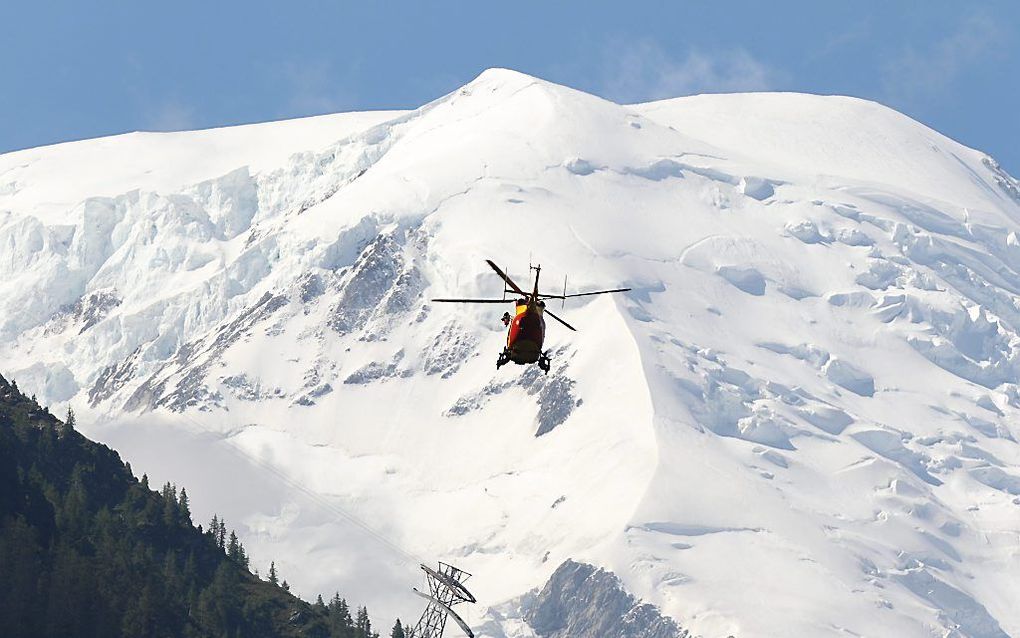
526	328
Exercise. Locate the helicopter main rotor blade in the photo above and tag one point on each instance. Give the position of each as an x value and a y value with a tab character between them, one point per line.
473	300
594	292
550	313
508	281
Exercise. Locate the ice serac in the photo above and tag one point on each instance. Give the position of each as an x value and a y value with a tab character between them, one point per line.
800	421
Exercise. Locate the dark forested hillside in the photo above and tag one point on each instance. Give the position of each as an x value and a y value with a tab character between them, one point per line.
86	549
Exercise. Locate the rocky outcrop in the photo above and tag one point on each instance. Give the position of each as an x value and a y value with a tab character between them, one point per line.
582	601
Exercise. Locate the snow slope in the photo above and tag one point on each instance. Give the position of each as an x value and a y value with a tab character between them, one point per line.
48	181
802	421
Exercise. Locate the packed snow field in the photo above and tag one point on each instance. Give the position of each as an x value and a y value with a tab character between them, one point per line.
800	422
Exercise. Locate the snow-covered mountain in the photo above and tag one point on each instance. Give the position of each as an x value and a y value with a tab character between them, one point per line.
801	422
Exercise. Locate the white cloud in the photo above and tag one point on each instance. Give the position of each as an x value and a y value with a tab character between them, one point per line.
920	74
171	116
838	42
644	71
314	88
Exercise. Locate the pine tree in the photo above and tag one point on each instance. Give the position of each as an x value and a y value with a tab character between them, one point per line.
398	630
214	529
74	513
284	585
341	625
171	577
221	535
184	508
362	625
169	495
220	603
69	420
272	573
140	617
232	546
190	568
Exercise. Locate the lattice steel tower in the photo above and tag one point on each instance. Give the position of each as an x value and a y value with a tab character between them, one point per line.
445	589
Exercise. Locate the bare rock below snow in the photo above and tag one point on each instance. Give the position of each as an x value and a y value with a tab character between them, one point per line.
555	395
308	398
245	388
375	273
556	402
382	282
582	601
375	371
310	287
181	382
114	377
448	351
89	310
1006	182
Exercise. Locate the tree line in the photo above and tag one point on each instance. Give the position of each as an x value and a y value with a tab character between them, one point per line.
87	549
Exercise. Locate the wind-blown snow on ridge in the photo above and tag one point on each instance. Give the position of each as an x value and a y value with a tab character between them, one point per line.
800	422
50	180
833	139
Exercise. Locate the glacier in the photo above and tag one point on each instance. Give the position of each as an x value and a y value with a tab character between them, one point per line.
801	421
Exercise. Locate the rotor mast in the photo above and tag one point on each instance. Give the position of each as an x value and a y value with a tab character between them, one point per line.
535	295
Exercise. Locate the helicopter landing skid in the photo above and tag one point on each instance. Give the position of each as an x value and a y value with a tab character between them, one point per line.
544	363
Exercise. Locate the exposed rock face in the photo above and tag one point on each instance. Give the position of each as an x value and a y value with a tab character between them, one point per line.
112	378
382	283
1005	181
84	313
555	395
193	361
376	371
580	601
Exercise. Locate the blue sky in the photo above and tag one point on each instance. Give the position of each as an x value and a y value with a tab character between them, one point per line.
72	70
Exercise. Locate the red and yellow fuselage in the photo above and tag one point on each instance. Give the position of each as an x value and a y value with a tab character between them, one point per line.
526	332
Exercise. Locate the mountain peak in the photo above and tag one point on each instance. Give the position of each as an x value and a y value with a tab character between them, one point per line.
504	77
814	374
